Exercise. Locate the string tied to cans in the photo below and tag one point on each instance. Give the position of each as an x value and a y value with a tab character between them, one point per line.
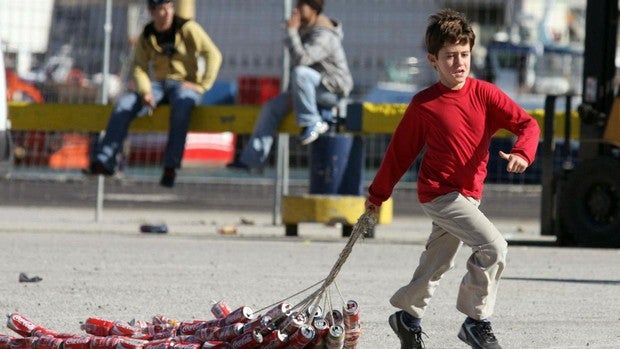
312	323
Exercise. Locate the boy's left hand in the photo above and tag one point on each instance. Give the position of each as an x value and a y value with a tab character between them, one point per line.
516	164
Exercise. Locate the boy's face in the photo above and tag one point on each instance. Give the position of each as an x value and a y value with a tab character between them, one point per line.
162	16
452	63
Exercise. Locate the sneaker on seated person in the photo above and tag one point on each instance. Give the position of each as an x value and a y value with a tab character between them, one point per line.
311	133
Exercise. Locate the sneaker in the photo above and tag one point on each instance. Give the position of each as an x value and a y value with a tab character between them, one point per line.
97	168
311	133
410	338
241	167
168	177
478	335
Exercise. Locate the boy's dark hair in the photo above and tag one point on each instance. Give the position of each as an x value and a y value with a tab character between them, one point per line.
317	5
448	27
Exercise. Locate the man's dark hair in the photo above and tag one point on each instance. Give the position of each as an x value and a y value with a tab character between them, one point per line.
153	3
448	27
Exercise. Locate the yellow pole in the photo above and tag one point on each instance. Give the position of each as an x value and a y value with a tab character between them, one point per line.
186	8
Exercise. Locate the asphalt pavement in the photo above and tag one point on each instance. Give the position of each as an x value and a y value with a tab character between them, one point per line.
550	297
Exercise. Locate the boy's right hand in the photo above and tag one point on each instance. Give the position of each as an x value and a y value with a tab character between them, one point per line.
371	208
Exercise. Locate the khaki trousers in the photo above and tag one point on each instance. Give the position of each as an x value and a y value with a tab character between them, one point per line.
457	220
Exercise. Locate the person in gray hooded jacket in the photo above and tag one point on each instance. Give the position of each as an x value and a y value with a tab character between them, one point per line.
320	76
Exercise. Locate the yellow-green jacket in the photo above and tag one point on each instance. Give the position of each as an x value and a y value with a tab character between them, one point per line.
191	43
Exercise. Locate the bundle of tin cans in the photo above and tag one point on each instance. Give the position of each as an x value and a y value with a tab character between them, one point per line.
281	326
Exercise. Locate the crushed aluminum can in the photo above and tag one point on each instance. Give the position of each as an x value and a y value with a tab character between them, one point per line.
20	324
42	331
190	327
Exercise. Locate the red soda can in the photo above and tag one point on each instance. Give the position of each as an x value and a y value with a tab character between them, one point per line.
48	342
20	324
187	339
262	324
97	326
352	335
207	333
335	337
159	344
186	346
4	341
295	322
131	343
220	309
215	345
42	331
228	333
81	342
190	327
279	311
22	343
321	326
337	319
304	335
241	314
165	334
351	313
65	335
275	340
108	342
314	311
123	328
248	340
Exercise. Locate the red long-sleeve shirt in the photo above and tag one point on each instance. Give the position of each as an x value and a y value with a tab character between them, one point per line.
456	127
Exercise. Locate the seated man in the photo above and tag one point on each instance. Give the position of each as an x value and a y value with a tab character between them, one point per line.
169	48
320	77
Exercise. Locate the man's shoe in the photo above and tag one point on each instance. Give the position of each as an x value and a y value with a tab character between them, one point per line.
311	133
97	168
410	338
478	335
168	177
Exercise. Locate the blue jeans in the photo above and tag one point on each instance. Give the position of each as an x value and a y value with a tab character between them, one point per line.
129	106
305	96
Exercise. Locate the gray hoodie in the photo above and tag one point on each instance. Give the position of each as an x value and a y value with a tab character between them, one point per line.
320	48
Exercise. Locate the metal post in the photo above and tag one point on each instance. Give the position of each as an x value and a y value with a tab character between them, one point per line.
107	31
282	151
548	192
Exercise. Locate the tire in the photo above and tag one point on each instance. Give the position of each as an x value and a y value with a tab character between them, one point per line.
589	204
